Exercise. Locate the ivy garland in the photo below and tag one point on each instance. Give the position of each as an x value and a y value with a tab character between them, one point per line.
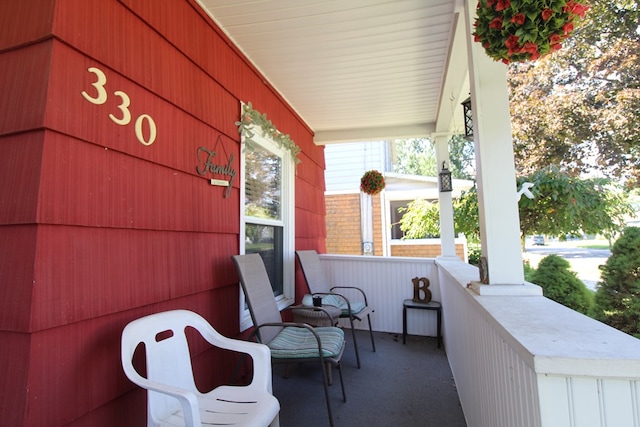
252	118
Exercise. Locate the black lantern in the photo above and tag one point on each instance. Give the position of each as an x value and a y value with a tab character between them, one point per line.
445	179
468	118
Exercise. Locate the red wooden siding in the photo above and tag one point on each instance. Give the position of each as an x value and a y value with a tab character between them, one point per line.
97	228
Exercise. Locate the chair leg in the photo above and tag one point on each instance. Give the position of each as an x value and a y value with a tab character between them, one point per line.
373	344
329	375
344	396
355	343
325	383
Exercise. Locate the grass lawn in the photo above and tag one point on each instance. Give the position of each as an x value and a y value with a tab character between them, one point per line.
593	244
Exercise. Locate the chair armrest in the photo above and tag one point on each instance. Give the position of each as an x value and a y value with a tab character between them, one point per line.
353	287
260	354
346	300
188	400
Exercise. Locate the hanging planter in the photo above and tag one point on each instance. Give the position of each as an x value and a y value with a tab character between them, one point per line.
525	30
372	182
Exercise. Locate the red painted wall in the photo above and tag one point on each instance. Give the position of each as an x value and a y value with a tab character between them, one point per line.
98	228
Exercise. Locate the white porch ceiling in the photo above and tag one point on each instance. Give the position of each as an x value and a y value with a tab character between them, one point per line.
357	70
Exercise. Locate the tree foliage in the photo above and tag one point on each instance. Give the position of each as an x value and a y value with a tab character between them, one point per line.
578	108
567	205
561	284
417	156
617	300
562	205
421	219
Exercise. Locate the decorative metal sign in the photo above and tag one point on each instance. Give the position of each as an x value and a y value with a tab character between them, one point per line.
206	165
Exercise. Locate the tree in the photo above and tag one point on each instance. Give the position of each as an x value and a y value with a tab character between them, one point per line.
578	108
562	205
566	205
561	284
617	299
417	156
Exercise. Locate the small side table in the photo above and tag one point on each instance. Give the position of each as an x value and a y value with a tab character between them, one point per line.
431	305
316	316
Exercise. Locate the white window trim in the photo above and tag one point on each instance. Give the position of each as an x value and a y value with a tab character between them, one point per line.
287	204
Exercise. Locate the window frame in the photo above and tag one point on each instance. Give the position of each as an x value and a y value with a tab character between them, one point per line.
287	211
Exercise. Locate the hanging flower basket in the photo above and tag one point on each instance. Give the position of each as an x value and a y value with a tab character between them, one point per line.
372	182
525	30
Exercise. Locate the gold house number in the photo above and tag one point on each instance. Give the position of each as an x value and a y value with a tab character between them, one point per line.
124	116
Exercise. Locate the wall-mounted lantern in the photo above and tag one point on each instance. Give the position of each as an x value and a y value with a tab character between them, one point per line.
468	118
445	179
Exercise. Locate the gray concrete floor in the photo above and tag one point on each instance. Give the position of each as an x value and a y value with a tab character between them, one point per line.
398	385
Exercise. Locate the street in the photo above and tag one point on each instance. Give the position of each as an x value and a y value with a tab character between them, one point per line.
584	261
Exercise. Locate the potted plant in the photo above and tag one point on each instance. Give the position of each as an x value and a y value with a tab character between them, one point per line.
372	182
525	30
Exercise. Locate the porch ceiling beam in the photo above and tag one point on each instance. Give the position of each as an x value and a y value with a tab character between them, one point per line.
374	133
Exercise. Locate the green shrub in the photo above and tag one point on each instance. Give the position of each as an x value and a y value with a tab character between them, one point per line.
474	255
561	284
617	300
528	271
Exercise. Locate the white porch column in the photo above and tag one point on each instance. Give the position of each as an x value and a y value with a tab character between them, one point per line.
499	217
447	232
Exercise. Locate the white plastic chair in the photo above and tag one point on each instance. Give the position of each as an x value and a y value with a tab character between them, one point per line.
172	397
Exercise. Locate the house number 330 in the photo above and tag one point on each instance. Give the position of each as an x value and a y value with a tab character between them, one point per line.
123	117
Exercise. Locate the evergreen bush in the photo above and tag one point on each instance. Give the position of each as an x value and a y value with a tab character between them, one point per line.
561	284
617	300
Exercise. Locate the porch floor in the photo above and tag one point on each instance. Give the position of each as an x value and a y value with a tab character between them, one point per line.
398	385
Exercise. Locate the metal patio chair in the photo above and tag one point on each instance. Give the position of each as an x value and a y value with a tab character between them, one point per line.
172	396
319	285
289	342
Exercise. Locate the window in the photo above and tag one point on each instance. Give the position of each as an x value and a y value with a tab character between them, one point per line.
396	216
267	215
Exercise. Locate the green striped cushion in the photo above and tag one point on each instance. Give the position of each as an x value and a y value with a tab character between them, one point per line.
296	343
356	307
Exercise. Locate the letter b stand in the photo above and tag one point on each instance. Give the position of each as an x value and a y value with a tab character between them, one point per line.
431	305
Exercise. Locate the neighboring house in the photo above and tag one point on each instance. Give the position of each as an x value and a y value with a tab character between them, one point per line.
361	224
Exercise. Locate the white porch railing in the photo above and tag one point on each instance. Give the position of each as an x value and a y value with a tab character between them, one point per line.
518	361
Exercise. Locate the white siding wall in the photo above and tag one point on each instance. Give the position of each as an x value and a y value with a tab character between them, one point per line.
345	164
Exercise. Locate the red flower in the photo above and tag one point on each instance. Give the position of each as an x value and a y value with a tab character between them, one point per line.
502	5
518	19
546	14
556	46
491	2
496	23
476	38
505	61
568	28
532	49
555	38
512	44
574	8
